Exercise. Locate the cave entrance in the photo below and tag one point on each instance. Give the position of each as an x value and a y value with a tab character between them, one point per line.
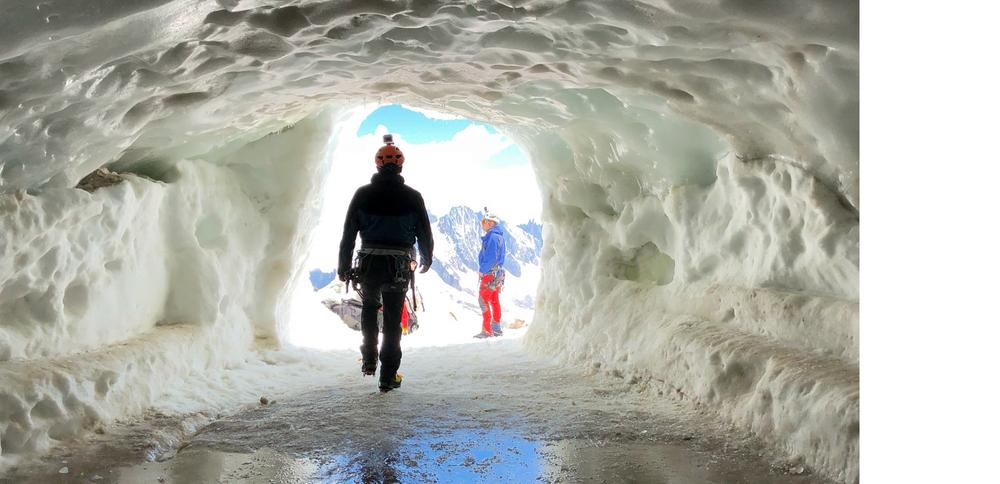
460	167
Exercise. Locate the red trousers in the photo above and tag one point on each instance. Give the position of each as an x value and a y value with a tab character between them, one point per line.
489	303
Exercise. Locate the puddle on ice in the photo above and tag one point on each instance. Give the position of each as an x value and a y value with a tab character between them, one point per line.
464	455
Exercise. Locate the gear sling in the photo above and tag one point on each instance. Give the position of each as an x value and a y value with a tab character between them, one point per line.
403	262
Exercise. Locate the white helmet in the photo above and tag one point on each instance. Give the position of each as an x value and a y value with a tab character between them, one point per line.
487	215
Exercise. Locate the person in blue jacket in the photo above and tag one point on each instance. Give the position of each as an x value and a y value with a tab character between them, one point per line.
491	275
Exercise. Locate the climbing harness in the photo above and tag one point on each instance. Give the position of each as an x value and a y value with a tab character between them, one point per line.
404	262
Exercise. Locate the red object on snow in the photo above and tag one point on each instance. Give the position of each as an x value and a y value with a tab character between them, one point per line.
404	321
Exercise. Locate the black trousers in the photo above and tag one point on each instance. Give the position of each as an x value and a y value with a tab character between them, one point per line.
384	281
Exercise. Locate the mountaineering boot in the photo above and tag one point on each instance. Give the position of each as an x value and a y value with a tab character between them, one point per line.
368	367
497	328
384	386
369	361
482	335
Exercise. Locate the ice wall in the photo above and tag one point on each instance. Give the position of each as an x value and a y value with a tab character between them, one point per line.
740	296
699	162
113	297
720	278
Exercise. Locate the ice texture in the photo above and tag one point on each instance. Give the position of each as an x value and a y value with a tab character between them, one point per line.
116	296
743	298
698	164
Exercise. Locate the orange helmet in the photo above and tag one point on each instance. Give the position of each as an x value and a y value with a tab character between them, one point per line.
389	154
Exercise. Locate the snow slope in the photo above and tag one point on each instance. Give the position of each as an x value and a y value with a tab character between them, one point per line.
698	164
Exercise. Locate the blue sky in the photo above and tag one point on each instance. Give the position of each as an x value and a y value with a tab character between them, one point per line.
418	128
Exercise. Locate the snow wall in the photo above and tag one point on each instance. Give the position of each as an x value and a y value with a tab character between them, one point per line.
698	160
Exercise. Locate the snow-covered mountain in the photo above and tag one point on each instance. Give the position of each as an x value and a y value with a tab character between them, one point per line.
457	240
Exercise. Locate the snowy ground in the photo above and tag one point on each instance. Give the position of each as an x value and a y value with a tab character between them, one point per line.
447	316
480	412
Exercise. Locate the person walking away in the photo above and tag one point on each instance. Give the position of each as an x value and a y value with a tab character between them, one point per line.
390	216
491	275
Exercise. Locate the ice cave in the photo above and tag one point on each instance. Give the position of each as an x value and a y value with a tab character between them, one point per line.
161	165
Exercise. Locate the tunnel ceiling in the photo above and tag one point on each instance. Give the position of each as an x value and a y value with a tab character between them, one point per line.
87	84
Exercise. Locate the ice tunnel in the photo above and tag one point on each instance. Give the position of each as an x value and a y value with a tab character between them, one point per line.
160	163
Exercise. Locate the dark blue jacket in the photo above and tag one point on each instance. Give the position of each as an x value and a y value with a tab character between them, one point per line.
494	252
389	215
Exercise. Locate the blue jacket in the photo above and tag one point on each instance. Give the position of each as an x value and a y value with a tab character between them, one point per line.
494	252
